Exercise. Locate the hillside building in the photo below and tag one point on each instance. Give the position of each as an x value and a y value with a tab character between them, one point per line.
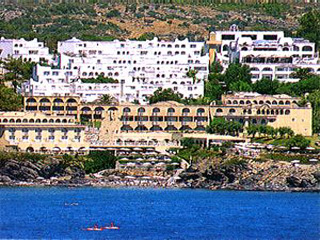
269	54
38	132
140	67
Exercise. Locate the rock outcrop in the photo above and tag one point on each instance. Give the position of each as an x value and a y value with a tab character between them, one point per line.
13	170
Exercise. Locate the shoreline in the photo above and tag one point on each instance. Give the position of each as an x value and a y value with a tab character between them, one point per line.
180	186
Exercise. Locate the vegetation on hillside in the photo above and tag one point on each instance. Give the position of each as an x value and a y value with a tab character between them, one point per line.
9	99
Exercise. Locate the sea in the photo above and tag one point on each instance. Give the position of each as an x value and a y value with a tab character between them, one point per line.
66	213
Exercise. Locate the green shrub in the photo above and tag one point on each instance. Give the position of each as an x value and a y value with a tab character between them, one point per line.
98	161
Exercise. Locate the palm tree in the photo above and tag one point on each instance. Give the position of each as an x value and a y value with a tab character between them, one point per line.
106	99
192	74
301	73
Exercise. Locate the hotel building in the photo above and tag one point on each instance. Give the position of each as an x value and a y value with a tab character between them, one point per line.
33	50
269	54
141	67
247	108
39	132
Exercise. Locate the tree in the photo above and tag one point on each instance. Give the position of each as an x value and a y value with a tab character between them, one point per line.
310	26
99	160
9	100
301	73
215	67
106	99
285	131
314	99
298	141
213	90
167	94
18	70
223	127
240	86
252	129
146	36
266	86
192	74
237	72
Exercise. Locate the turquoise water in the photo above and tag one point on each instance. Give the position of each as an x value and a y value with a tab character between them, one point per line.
157	214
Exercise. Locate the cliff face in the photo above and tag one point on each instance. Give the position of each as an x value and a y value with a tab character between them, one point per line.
270	175
13	170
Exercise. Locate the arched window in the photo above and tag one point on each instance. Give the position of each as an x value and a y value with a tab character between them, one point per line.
38	120
185	110
235	102
287	112
171	110
307	49
228	102
18	121
58	121
267	69
241	102
287	102
219	110
141	110
126	110
200	111
44	120
44	100
31	120
281	102
274	102
11	120
268	102
155	110
248	102
51	120
71	100
260	102
31	100
232	110
57	100
64	120
254	69
255	102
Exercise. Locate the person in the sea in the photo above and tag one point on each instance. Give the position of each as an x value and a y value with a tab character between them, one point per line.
96	225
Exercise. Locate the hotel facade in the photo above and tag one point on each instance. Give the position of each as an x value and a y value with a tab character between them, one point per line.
140	68
269	54
39	132
246	108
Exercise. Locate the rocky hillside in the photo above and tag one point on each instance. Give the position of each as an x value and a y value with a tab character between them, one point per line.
252	175
106	21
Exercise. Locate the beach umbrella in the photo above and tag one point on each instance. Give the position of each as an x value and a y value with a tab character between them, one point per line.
139	159
313	160
295	161
137	149
295	148
124	159
310	148
129	177
147	164
145	177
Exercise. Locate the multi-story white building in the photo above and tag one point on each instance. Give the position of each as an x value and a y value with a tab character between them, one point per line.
33	50
269	54
141	67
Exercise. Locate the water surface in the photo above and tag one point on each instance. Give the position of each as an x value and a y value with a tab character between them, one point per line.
157	214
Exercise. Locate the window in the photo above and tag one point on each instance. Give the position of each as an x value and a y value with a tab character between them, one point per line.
270	37
228	37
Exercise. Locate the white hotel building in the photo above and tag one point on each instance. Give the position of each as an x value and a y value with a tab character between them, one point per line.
141	67
269	54
33	50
